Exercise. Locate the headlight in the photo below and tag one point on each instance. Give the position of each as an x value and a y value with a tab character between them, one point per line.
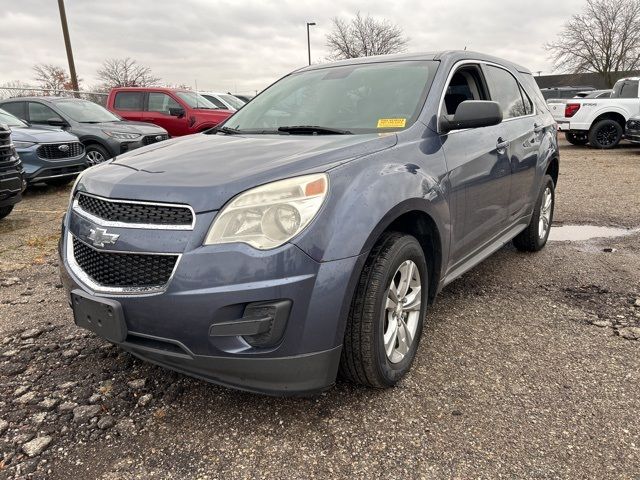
268	216
122	135
23	144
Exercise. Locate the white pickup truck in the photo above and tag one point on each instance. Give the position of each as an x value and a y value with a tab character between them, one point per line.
600	122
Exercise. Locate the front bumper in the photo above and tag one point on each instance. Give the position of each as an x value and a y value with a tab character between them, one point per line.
12	184
39	169
632	134
213	285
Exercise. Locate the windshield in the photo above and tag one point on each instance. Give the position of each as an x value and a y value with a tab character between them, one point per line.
84	111
233	101
8	119
195	100
365	98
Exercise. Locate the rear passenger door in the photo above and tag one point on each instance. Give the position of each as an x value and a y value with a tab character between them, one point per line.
479	169
521	132
129	105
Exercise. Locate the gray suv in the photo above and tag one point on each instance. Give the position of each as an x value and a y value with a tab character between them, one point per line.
306	236
103	133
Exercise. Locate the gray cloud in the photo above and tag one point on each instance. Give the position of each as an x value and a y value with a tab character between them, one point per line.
244	45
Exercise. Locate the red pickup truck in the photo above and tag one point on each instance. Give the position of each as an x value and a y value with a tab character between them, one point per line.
178	111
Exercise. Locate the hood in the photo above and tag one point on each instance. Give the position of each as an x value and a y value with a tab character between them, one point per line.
205	171
128	127
41	135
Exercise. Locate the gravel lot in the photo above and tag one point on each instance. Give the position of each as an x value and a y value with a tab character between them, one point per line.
529	368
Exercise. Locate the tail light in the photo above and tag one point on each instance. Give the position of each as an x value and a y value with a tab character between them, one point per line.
570	109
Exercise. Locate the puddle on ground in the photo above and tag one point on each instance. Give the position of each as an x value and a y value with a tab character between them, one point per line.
580	233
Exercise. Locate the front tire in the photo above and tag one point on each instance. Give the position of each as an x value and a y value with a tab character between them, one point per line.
605	134
4	211
576	139
534	237
385	322
95	154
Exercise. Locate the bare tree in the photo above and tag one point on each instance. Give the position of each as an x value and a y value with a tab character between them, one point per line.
15	88
604	38
52	78
364	37
125	72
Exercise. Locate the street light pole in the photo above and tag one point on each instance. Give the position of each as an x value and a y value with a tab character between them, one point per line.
309	24
67	44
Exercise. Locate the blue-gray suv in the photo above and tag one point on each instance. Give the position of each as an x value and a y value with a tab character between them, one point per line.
48	155
306	236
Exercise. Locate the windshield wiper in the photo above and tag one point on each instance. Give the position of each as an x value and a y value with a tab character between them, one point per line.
313	130
227	130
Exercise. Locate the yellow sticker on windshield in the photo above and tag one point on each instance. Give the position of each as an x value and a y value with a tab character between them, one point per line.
391	122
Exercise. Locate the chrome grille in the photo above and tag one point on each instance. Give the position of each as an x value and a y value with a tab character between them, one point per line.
136	213
124	270
60	151
6	147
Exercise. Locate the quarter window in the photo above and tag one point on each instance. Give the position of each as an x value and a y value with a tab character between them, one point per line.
161	102
129	101
505	90
39	113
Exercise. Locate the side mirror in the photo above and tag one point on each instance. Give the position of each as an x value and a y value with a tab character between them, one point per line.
57	122
472	114
176	112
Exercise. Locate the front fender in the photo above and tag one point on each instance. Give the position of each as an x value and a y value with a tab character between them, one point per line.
366	195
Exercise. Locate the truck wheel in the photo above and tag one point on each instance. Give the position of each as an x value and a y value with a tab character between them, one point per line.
534	237
385	322
605	134
576	138
4	211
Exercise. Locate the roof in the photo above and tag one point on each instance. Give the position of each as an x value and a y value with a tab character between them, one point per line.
455	55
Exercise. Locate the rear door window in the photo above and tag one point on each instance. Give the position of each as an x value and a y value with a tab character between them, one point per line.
16	108
39	113
129	101
505	90
215	101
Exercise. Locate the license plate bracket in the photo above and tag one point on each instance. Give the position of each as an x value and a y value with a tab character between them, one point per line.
102	316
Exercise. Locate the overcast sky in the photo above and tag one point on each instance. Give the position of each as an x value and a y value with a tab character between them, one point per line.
243	45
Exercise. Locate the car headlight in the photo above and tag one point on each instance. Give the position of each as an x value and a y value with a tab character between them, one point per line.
122	135
20	145
268	216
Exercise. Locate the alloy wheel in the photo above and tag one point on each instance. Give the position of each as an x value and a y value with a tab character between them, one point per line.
94	157
607	135
545	213
402	311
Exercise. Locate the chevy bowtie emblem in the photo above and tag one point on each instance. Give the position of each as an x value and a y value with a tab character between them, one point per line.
100	237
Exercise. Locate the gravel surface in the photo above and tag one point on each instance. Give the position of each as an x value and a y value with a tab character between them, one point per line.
529	367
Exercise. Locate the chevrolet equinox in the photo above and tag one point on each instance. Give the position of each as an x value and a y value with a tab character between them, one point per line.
305	237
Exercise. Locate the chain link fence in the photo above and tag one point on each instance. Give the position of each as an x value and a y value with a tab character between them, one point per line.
12	92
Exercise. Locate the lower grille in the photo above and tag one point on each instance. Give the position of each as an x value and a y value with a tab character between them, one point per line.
60	151
124	270
149	139
6	147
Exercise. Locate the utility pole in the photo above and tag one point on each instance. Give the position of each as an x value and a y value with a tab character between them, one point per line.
309	24
67	44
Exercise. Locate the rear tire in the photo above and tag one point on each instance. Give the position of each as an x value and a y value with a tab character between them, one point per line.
4	211
382	335
605	134
575	138
534	237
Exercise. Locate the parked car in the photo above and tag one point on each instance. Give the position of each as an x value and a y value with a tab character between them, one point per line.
180	112
244	98
557	105
48	155
12	182
103	134
307	234
632	129
600	122
554	93
224	101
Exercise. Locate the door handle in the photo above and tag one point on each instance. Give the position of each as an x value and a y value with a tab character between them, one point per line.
537	128
502	144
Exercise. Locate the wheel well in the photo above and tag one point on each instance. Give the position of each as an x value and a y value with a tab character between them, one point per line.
553	170
424	229
611	116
